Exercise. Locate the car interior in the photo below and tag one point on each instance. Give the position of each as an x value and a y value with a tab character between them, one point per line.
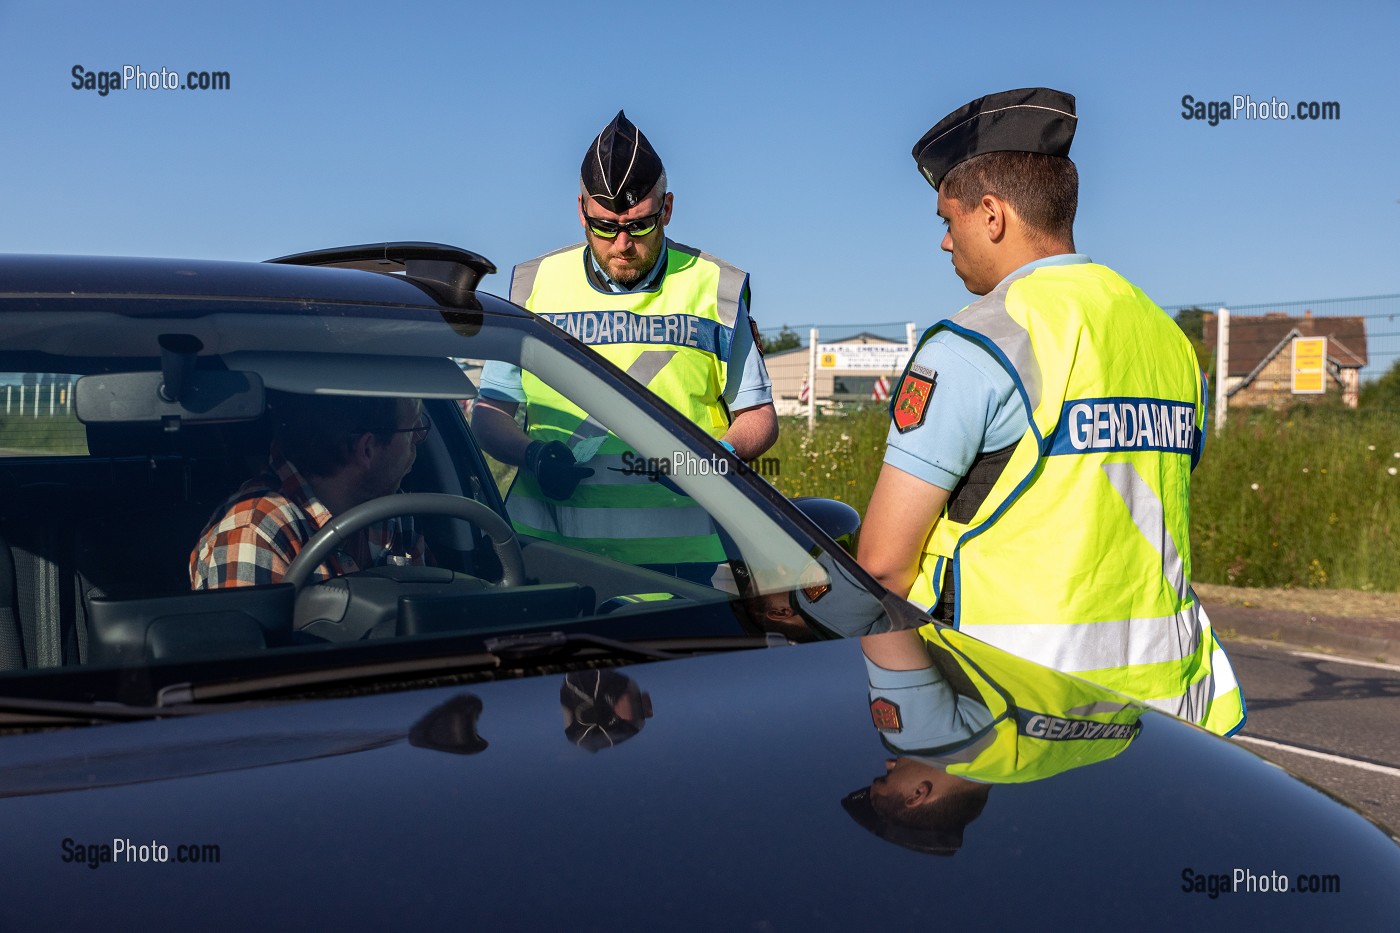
128	422
98	523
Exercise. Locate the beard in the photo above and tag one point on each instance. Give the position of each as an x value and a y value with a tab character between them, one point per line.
638	266
627	276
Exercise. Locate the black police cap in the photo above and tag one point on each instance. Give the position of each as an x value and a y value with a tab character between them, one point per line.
590	699
1032	119
620	167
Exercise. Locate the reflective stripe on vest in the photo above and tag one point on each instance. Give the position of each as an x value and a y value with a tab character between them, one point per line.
673	338
1050	725
1079	556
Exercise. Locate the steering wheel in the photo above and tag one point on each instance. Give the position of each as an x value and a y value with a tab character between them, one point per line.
324	543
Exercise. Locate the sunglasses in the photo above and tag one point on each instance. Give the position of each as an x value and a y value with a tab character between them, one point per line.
607	229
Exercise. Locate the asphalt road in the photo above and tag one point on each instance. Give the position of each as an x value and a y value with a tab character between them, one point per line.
1329	719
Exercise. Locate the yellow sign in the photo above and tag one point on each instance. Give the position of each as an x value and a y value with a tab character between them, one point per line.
828	361
1309	365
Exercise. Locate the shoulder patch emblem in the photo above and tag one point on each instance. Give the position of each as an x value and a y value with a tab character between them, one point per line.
757	337
911	404
814	583
886	715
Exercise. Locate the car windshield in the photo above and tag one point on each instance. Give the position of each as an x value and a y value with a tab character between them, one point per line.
169	459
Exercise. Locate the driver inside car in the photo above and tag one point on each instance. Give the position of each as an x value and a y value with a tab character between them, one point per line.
328	454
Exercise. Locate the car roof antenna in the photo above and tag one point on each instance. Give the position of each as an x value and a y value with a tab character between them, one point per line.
177	355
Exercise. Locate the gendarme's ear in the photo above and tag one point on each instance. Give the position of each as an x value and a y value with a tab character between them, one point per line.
994	214
666	205
921	794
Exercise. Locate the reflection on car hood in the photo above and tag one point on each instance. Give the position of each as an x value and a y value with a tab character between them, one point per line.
486	807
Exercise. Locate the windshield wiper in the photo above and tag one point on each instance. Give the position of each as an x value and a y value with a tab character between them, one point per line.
506	651
534	645
22	711
179	694
513	651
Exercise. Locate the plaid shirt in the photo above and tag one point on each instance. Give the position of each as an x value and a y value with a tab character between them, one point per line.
257	532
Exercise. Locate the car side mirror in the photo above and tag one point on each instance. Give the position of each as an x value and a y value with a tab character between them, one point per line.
839	520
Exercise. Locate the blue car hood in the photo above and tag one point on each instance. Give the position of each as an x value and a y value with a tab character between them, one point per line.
723	812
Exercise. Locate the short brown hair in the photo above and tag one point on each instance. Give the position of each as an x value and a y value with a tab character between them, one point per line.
1042	189
315	431
949	812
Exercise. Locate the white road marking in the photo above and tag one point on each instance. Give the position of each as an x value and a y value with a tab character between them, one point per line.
1309	753
1332	657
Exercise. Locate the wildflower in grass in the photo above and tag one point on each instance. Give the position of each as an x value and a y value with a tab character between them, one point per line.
1254	486
1305	470
1370	446
1392	471
1317	575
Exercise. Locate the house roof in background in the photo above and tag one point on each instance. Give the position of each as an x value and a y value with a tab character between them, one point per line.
1255	337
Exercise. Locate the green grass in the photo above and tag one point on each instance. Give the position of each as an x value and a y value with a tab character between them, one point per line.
840	459
60	435
1325	513
1305	498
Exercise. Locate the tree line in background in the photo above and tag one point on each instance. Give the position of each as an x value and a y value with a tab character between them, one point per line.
784	339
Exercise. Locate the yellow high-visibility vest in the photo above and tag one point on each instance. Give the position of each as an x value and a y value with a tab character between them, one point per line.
1079	555
674	338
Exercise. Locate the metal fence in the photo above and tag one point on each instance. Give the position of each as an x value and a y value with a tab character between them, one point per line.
833	333
42	400
1379	313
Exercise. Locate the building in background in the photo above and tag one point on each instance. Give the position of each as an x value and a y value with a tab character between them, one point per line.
1261	362
834	385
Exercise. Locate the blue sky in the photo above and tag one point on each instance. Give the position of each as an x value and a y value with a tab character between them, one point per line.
785	129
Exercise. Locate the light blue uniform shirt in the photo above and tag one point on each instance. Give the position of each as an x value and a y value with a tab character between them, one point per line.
974	408
933	713
746	386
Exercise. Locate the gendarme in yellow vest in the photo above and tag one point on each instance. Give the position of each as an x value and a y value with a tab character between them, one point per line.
675	339
1079	555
